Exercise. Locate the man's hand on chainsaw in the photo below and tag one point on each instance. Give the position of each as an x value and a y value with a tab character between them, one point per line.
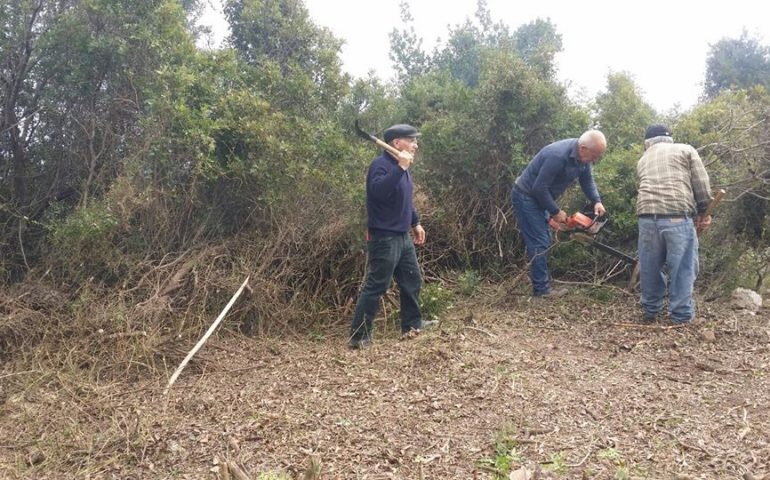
599	209
560	217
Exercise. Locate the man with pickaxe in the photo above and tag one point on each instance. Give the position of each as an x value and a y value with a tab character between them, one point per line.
391	216
673	206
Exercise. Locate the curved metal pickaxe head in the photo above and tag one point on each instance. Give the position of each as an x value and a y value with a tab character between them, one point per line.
363	134
391	149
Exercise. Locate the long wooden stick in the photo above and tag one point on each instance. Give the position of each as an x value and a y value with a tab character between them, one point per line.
204	337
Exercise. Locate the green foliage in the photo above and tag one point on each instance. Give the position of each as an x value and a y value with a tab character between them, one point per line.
609	454
435	300
616	179
538	43
125	146
557	463
601	294
622	113
485	105
727	133
83	243
279	36
84	71
406	53
737	64
506	457
752	268
469	282
567	258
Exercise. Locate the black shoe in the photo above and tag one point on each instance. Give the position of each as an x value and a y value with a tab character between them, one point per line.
649	318
359	343
553	293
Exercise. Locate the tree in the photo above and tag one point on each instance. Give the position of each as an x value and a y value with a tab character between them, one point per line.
75	79
538	43
622	113
299	60
735	64
406	51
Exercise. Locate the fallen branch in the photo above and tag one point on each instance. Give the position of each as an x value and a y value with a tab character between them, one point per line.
204	337
234	470
575	465
480	330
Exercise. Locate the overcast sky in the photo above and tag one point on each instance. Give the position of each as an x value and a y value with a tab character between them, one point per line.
663	45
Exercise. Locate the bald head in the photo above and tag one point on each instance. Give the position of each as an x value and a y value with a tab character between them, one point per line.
591	146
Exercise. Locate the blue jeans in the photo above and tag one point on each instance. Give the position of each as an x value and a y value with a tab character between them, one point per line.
389	257
668	260
533	224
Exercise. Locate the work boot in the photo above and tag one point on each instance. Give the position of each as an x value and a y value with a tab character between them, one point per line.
554	293
424	325
413	332
428	324
648	318
692	322
359	343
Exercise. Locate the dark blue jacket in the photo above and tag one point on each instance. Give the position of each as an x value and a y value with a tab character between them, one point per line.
552	170
389	190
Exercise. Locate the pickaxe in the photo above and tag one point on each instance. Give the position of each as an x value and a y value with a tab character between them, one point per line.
391	149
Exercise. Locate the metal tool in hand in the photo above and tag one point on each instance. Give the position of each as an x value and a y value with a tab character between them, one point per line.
391	149
582	227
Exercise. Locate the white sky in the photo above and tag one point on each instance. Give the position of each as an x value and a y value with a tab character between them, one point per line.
662	45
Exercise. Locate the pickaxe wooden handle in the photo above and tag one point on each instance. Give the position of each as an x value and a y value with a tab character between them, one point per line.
391	149
714	202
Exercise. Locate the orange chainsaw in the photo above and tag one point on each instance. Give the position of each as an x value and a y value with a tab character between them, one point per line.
587	223
583	226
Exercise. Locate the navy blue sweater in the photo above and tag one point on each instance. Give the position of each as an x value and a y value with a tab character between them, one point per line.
389	189
552	170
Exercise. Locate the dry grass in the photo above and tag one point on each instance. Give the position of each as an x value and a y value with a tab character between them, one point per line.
572	389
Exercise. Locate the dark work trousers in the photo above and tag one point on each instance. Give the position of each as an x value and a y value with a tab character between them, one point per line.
389	257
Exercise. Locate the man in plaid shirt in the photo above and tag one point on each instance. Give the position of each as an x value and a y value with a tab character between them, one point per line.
674	193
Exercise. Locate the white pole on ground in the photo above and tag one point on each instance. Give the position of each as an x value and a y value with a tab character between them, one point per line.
204	337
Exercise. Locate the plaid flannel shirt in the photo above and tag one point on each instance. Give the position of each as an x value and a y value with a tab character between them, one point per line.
672	179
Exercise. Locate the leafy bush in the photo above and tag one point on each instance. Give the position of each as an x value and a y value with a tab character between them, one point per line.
435	300
469	282
82	243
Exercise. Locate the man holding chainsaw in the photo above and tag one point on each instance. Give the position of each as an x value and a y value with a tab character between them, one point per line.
674	195
390	248
549	173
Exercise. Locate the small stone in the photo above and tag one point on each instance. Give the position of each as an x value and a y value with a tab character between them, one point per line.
36	457
745	299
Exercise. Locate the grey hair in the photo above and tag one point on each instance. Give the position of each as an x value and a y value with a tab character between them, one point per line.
593	139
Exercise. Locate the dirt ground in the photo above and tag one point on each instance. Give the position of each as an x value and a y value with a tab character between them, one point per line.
509	387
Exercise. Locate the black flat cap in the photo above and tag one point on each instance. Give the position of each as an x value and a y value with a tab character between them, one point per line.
400	130
657	130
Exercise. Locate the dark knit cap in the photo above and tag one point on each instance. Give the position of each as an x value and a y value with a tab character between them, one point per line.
657	130
400	130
